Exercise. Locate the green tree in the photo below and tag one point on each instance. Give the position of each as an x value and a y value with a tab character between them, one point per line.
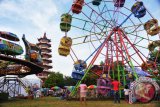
55	79
91	79
69	81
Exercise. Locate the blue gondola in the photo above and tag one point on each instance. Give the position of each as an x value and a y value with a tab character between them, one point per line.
79	68
96	2
77	75
80	65
138	10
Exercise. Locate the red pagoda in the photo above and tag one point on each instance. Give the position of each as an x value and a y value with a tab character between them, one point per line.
45	46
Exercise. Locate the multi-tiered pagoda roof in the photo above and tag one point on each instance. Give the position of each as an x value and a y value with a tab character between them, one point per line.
45	46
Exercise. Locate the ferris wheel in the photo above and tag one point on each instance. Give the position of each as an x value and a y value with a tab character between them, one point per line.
123	32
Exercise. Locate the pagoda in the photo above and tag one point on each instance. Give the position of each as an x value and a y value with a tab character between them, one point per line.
45	47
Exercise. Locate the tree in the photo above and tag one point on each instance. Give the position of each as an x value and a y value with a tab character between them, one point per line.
55	79
91	79
69	81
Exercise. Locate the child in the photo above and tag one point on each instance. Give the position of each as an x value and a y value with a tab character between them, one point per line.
126	93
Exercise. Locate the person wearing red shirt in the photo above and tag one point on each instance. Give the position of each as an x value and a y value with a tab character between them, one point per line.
116	84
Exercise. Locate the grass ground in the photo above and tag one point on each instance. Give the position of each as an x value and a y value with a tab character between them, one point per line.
54	102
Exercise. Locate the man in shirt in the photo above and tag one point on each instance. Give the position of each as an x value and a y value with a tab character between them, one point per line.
116	84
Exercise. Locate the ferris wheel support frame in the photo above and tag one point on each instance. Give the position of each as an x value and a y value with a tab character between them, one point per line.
98	51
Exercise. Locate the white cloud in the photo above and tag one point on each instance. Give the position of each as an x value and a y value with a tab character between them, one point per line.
38	14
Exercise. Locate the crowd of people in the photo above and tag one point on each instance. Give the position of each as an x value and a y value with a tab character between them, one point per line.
83	92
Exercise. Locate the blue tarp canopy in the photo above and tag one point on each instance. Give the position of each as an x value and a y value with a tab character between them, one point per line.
139	71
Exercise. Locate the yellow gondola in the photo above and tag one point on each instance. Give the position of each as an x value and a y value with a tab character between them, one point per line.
153	45
63	50
66	41
65	45
152	27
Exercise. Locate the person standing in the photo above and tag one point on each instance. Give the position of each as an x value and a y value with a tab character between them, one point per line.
116	84
126	93
83	92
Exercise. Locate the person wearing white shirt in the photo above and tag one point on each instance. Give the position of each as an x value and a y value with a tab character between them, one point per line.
126	93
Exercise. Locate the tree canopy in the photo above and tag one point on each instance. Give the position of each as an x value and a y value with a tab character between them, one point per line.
58	79
54	79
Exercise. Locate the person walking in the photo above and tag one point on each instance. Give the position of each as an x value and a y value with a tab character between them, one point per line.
116	84
83	92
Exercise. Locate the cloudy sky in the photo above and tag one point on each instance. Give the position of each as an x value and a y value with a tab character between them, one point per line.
34	17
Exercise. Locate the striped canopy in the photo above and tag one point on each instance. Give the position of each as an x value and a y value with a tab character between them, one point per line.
55	88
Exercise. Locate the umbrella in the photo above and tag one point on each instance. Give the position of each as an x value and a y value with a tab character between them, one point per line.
70	88
55	88
92	87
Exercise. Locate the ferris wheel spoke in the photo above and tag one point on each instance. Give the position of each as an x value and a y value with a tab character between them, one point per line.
102	11
94	24
137	51
108	12
99	15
